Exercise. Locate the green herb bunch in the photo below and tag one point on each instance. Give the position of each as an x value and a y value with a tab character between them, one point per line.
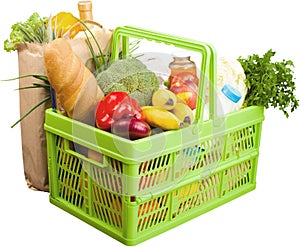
33	30
270	84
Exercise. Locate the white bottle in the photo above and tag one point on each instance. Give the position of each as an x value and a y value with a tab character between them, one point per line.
227	99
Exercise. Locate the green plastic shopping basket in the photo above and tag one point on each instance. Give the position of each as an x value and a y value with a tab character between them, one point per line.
139	189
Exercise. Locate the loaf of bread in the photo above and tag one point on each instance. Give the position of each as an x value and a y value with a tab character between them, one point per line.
75	86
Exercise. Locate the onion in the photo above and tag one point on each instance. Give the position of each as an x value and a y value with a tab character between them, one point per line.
131	128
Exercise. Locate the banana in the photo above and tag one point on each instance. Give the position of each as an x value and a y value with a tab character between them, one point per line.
161	118
164	99
184	113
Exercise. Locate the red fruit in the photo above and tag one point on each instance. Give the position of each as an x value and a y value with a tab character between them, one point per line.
189	99
186	91
191	85
185	76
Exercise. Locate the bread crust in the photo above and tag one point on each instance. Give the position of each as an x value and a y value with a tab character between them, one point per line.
75	86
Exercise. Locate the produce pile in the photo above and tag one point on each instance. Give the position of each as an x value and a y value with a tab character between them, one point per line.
127	99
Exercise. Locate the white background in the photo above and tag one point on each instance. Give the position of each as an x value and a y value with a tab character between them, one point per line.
268	216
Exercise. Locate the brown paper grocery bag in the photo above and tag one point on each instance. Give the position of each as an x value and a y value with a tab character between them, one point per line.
34	148
79	46
31	61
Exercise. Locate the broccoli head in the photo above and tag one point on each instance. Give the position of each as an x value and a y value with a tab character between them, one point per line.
130	76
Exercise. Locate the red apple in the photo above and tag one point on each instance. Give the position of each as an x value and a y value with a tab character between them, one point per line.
184	76
187	91
189	98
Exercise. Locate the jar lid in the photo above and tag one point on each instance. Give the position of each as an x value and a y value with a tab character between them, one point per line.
231	93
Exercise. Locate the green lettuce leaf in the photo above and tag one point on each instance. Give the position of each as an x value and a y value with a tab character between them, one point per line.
33	30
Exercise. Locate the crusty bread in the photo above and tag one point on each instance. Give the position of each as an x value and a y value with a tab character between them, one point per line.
75	86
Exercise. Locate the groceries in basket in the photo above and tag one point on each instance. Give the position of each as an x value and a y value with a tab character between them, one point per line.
118	183
130	75
136	191
128	86
121	114
92	46
133	100
183	79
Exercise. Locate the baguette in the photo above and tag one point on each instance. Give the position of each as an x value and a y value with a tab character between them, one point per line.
75	86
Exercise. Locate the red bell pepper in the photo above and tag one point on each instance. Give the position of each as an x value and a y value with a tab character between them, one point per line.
114	106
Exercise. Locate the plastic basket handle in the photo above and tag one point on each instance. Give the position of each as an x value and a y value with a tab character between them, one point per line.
207	68
82	157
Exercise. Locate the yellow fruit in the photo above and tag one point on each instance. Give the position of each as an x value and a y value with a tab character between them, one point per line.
179	100
164	99
184	113
161	118
64	22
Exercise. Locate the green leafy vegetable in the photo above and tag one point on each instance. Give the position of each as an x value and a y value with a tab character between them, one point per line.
270	83
131	76
33	30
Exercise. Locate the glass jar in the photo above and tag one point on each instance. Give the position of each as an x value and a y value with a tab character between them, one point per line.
182	63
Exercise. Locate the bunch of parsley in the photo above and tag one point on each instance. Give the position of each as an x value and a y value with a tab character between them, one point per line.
270	83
